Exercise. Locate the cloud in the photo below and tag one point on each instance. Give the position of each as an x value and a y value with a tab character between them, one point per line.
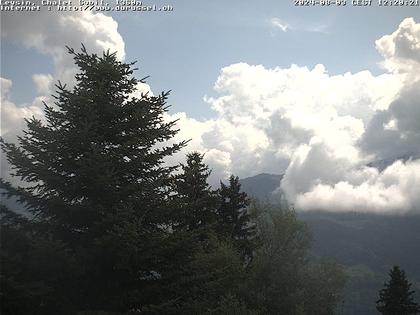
276	22
12	119
395	132
264	116
319	179
43	83
48	32
401	49
12	116
284	26
285	108
395	190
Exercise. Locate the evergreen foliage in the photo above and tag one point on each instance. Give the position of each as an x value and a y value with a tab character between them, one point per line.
282	278
234	219
97	185
196	201
397	297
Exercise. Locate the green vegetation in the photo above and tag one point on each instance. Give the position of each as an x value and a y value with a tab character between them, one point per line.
114	230
367	245
396	298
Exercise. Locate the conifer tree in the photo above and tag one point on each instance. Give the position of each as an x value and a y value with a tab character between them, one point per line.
232	209
396	298
197	202
95	181
214	270
234	220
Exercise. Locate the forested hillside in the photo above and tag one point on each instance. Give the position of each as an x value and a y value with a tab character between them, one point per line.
367	244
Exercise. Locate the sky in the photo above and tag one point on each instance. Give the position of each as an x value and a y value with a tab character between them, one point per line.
326	95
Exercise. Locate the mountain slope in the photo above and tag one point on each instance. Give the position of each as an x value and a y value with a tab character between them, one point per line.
261	186
368	245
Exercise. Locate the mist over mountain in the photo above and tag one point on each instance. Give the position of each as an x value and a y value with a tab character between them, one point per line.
367	244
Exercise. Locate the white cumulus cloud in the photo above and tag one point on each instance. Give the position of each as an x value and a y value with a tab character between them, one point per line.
401	49
395	190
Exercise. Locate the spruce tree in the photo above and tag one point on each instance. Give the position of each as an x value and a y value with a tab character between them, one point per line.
396	298
95	180
214	270
234	220
232	210
197	202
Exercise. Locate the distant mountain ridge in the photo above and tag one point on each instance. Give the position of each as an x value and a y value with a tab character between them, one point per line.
261	186
367	244
382	164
